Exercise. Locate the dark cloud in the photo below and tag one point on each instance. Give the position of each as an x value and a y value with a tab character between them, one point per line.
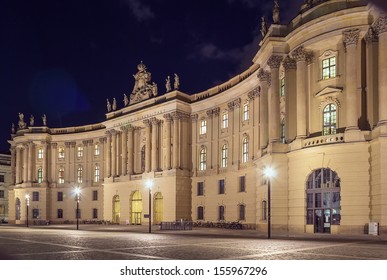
140	11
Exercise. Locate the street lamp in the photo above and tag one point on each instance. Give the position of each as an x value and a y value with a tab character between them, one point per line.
77	193
149	185
269	172
28	204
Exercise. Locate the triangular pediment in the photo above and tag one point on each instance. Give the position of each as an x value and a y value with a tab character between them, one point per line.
329	90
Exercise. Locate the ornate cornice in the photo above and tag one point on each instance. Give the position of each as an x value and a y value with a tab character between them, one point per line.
299	53
275	61
180	115
380	25
351	36
289	63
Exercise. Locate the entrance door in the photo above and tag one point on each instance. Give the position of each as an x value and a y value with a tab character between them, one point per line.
136	218
318	221
327	221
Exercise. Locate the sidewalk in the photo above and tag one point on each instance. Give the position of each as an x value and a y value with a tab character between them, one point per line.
215	232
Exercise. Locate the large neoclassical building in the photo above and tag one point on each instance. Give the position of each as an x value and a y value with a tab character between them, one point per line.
312	106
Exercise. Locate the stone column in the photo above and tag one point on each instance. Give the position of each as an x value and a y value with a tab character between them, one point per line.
381	29
215	138
13	165
114	153
209	135
168	120
130	151
351	38
194	149
147	145
155	125
54	157
124	151
30	165
25	164
176	138
68	158
300	55
18	164
44	162
253	99
108	154
274	104
290	66
264	78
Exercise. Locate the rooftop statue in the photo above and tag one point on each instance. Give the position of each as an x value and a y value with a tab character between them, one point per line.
32	120
143	87
44	119
126	100
21	122
263	27
176	85
276	12
168	84
108	105
114	106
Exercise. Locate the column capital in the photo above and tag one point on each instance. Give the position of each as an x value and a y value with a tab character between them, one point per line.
194	117
289	63
371	36
147	122
213	112
167	117
254	93
380	25
351	37
275	61
264	76
234	104
309	57
299	54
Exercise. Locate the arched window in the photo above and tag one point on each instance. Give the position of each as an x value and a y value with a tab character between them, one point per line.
323	200
96	173
61	175
79	174
40	175
224	155
245	149
203	159
329	119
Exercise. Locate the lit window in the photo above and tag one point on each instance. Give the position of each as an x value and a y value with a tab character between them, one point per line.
40	175
283	131
329	122
61	152
96	174
203	159
40	153
79	174
203	127
242	214
245	150
225	120
329	68
246	111
61	175
282	87
80	152
224	155
96	150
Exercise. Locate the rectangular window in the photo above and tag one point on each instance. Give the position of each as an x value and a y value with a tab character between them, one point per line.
329	68
221	186
40	175
225	120
96	174
264	210
242	212
245	111
60	196
35	213
95	213
242	183
309	200
35	196
221	213
96	150
200	213
60	213
203	127
309	217
1	193
61	152
40	153
61	176
317	200
1	178
80	152
200	188
95	195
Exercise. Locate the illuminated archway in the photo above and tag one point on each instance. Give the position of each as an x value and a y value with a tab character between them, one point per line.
136	206
158	208
116	209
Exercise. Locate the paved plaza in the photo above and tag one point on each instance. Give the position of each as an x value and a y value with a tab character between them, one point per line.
98	242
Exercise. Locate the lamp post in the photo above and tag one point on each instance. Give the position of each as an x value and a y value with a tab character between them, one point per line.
269	172
28	204
77	193
149	185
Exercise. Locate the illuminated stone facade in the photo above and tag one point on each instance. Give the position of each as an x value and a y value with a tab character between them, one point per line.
312	106
5	179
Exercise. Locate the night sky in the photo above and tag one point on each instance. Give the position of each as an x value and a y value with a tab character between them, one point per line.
64	58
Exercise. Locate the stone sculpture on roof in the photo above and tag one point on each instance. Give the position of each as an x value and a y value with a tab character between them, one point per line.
143	87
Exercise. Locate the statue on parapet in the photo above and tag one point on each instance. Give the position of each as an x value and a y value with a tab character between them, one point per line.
126	100
32	120
276	12
21	122
176	84
108	105
114	106
143	87
44	119
168	84
263	27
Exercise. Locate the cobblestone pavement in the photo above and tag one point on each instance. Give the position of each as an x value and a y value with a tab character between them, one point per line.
95	242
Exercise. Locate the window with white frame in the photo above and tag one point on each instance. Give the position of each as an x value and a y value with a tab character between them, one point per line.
96	150
329	119
96	173
61	152
245	149
61	175
40	174
225	120
329	68
203	127
40	153
246	109
79	174
203	159
80	151
224	156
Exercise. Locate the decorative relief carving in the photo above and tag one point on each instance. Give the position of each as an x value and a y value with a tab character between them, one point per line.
275	61
194	117
371	36
329	100
167	117
380	25
299	53
309	57
351	36
254	93
289	63
180	115
147	122
234	104
263	76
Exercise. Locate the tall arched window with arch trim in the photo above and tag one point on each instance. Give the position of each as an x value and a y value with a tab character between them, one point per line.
224	156
330	119
203	159
245	149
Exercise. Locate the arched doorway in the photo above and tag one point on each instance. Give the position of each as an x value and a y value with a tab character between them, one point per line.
158	208
116	209
17	209
323	200
136	208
